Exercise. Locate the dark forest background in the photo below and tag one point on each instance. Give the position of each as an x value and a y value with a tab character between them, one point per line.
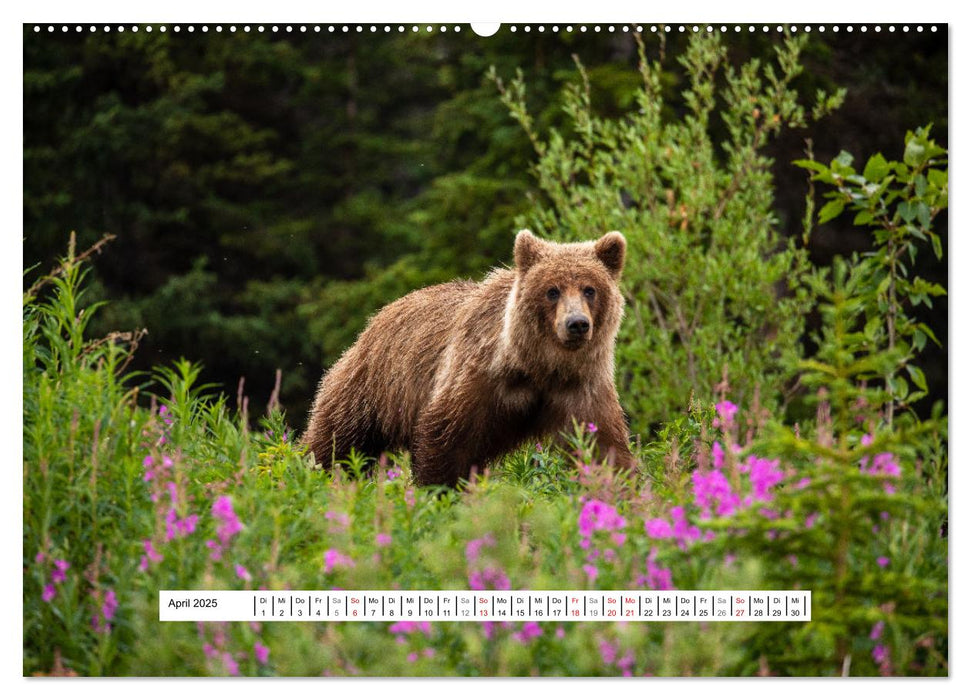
271	191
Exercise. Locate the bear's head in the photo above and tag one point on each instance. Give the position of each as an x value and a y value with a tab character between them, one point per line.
568	292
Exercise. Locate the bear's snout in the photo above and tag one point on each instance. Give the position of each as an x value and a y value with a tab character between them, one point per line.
577	325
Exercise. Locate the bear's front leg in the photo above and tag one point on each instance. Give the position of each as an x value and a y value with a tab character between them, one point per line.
612	436
444	446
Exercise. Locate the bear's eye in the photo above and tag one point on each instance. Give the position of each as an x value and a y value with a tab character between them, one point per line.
552	293
589	292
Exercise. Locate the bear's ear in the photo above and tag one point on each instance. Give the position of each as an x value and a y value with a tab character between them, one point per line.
527	251
610	250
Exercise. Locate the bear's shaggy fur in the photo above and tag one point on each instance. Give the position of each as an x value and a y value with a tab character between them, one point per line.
461	373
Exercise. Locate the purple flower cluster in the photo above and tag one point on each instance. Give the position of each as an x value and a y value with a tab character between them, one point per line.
608	653
404	628
726	414
333	559
102	623
712	491
677	529
488	577
880	653
58	575
151	556
174	525
763	474
883	464
228	526
530	631
597	515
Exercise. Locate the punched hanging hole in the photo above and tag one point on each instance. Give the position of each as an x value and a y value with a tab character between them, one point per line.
485	28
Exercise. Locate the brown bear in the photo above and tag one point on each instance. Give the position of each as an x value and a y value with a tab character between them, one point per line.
463	372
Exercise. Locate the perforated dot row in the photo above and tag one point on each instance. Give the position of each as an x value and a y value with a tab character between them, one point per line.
427	29
302	28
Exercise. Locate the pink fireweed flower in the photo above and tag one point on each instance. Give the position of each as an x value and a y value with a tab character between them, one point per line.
591	571
811	520
163	412
726	413
151	555
763	474
683	532
883	464
393	473
712	490
717	455
110	605
216	551
60	569
412	657
802	483
529	631
147	465
877	631
626	664
658	528
232	668
658	578
229	524
597	515
334	559
179	527
49	592
560	633
882	562
592	427
608	652
489	579
410	627
101	623
866	440
475	546
341	519
242	573
382	539
262	653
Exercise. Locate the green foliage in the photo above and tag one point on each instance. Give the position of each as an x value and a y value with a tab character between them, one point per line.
711	290
897	201
864	519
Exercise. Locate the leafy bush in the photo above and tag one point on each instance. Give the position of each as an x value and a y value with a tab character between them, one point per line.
712	291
